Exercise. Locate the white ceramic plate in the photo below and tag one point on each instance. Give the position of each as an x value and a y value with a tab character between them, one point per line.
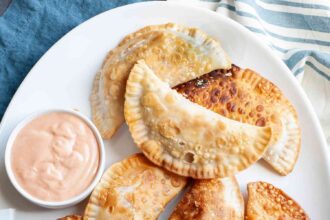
63	78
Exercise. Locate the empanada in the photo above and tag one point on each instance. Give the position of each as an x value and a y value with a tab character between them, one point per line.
245	96
211	199
268	202
185	137
176	54
133	188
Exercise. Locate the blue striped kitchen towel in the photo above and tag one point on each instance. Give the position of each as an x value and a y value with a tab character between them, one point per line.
298	31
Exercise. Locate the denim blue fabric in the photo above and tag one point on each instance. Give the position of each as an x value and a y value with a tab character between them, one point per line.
30	27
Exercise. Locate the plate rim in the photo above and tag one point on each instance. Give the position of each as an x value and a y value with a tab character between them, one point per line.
294	81
180	4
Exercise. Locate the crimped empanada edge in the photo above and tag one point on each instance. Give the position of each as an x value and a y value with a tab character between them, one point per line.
107	131
138	130
93	207
293	146
286	166
134	119
191	31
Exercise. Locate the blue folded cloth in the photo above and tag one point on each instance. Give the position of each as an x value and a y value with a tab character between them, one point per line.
29	27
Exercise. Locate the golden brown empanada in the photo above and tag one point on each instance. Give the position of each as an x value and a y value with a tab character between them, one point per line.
184	137
176	54
211	199
133	188
245	96
71	217
268	202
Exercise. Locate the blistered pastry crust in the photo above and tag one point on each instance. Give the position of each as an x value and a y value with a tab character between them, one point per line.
133	188
176	54
245	96
211	199
184	137
268	202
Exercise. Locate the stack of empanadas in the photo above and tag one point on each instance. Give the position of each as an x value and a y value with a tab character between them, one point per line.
245	96
193	114
186	138
198	68
175	53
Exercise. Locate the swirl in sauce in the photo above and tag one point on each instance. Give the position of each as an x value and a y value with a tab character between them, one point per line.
55	156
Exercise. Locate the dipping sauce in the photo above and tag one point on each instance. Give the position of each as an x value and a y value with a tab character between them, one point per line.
55	156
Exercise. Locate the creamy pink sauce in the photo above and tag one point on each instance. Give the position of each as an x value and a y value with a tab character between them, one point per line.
55	156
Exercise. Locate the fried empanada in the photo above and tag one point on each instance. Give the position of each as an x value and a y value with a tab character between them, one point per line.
245	96
133	188
176	54
268	202
211	199
185	137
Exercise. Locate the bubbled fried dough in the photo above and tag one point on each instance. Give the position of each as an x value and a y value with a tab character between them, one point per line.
176	53
245	96
220	91
211	199
133	188
184	137
265	201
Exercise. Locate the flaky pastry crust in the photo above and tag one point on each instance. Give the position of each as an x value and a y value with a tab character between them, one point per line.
184	137
265	201
244	95
211	199
176	54
133	188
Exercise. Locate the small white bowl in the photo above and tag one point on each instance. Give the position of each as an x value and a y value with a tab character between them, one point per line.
71	201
